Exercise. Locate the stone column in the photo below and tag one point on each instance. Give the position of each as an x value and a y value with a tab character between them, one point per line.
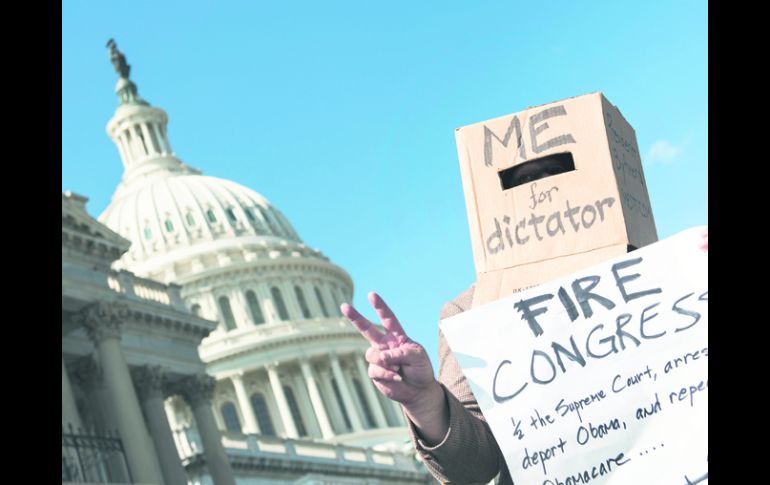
197	391
272	305
161	145
166	141
311	300
149	383
305	405
371	393
283	405
128	142
102	323
250	421
137	145
315	399
335	407
347	397
238	305
290	299
210	307
123	149
326	289
151	149
69	410
88	376
269	311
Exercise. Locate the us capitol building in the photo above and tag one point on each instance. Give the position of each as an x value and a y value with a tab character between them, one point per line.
202	341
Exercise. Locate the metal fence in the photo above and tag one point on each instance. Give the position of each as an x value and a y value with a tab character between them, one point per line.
89	456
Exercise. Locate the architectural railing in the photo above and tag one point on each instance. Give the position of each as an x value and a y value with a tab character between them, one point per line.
92	457
189	444
129	284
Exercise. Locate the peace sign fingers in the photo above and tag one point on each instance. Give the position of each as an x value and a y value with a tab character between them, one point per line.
367	328
389	320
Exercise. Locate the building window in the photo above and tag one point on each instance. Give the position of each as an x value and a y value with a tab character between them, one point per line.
230	214
147	233
364	403
227	313
169	226
230	417
302	302
256	311
321	302
211	216
296	416
280	223
268	221
341	404
279	304
263	414
190	219
196	310
254	222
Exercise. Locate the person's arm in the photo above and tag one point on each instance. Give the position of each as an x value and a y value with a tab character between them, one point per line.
400	369
445	421
468	453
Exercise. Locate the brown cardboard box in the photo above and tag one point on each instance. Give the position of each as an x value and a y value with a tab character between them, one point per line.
531	233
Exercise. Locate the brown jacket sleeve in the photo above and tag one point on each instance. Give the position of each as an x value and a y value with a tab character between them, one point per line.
468	454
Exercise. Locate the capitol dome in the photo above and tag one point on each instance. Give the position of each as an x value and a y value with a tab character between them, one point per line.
287	363
177	214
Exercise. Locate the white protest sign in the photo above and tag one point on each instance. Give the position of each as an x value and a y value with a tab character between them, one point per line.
600	377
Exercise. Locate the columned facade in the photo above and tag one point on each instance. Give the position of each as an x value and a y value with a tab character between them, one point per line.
102	323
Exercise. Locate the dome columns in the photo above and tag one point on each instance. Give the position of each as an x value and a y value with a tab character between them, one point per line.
310	381
250	425
139	134
283	404
347	396
315	398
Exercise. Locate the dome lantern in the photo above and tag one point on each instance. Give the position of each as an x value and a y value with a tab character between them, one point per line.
139	132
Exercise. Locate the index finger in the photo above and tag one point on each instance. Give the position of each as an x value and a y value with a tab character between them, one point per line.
364	326
389	320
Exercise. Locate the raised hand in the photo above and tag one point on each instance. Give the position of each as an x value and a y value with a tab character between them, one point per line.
398	366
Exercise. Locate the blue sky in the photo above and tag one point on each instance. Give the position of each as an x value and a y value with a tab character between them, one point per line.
342	114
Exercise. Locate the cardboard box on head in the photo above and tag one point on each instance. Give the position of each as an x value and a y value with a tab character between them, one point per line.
551	190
